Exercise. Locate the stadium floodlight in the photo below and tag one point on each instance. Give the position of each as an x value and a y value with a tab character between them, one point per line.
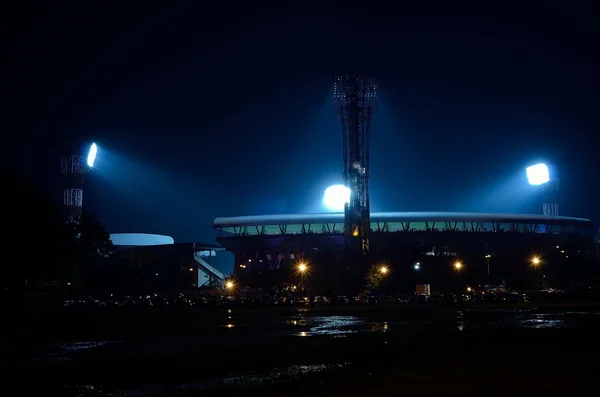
336	197
92	155
538	174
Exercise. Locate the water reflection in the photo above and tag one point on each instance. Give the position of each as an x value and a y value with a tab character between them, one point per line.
235	382
335	325
66	350
539	321
379	326
460	320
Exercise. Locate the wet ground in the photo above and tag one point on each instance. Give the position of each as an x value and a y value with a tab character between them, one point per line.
160	352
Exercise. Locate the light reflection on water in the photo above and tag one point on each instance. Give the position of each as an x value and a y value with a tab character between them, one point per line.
239	381
539	320
338	326
335	325
64	351
461	320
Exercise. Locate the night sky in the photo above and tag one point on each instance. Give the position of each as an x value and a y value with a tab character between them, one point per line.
200	113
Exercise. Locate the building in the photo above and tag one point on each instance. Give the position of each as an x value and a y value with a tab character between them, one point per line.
171	266
270	241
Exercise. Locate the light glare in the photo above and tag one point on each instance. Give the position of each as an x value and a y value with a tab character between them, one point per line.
92	155
336	197
538	174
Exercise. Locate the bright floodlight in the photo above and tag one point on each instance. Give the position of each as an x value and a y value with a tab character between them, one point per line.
92	155
538	174
336	197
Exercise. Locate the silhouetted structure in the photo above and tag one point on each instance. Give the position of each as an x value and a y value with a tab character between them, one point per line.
550	206
356	100
74	168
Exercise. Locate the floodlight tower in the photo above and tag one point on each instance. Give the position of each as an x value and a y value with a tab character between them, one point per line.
539	174
355	99
550	206
74	168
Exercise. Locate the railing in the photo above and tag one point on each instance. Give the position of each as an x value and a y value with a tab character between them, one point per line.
209	268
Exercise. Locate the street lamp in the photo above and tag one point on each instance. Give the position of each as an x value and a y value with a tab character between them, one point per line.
383	270
302	267
458	265
417	266
536	261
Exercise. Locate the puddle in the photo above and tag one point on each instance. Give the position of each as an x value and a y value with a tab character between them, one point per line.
65	351
235	382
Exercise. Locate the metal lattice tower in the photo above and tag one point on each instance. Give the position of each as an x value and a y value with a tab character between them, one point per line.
74	168
356	100
550	206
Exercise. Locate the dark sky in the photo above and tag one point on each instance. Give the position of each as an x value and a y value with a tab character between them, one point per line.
200	113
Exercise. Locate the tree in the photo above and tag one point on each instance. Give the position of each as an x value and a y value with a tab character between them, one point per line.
374	277
89	248
46	250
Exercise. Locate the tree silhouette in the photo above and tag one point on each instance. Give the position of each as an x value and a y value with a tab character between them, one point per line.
374	277
43	248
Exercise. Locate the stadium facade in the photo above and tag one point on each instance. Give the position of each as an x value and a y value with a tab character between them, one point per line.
269	241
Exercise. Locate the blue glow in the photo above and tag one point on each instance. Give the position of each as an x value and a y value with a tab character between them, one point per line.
92	155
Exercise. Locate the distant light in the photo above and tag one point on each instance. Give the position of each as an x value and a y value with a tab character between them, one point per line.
302	267
383	269
458	265
538	174
336	197
92	155
229	285
417	266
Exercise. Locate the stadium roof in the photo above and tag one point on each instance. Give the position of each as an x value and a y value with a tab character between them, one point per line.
338	217
139	239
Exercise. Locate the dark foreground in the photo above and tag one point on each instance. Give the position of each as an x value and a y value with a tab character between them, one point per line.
455	351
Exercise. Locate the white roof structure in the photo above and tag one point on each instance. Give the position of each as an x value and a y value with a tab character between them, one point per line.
139	239
338	217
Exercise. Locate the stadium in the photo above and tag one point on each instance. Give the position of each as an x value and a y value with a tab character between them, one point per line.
433	240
